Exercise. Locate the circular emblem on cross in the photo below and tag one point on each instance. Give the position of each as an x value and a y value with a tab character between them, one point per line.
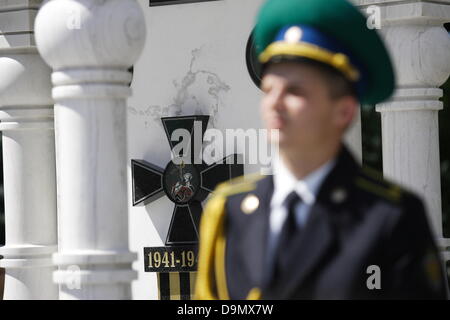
181	182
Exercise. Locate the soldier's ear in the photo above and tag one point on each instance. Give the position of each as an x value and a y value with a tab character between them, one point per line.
345	111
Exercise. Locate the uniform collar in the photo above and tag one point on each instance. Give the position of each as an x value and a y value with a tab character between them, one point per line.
307	188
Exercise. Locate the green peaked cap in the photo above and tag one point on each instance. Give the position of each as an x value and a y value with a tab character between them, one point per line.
341	21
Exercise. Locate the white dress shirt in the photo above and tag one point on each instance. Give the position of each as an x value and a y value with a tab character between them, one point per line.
284	183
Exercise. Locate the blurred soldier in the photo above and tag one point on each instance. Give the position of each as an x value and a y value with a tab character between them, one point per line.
321	227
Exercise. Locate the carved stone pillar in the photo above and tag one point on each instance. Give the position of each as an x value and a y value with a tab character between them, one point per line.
90	44
26	115
420	49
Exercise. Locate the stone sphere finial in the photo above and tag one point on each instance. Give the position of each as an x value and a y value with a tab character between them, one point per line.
424	58
86	33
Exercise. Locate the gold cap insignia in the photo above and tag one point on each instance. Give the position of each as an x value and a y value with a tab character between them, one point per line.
293	34
250	204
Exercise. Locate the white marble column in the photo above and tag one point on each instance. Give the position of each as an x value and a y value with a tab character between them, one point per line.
420	49
90	44
26	115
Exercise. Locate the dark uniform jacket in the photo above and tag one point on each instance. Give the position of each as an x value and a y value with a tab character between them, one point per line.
365	238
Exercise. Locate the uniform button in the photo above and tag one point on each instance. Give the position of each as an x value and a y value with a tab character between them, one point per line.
338	195
250	204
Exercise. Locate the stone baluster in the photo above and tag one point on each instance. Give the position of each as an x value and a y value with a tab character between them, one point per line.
26	115
420	49
90	44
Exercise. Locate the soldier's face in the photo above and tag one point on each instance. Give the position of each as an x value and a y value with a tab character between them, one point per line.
297	102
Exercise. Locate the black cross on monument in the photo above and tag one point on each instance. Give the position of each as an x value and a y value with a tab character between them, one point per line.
185	184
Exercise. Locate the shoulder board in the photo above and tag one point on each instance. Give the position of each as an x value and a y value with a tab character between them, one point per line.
237	185
373	181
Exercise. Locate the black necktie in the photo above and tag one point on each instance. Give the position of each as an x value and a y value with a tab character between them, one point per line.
288	232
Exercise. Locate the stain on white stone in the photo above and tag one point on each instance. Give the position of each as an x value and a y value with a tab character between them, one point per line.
186	94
